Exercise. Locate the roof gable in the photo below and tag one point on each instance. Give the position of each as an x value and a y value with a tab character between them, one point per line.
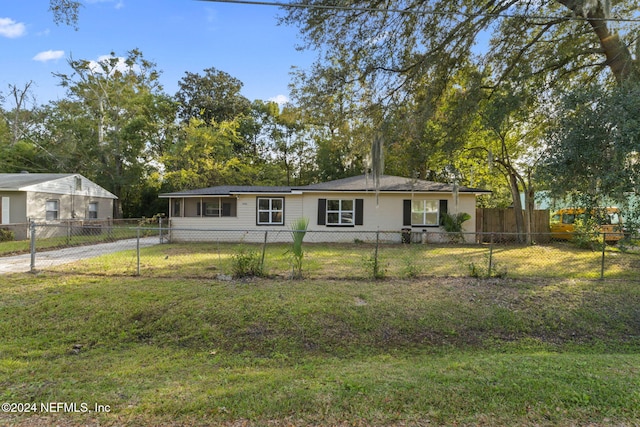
54	183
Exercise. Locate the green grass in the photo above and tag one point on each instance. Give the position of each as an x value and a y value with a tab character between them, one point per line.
443	351
354	261
72	239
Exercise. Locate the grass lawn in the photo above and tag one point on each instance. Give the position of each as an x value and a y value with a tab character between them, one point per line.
319	351
395	261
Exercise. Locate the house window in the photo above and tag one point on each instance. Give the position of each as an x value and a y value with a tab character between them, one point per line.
93	210
176	208
217	207
53	209
424	212
270	211
340	212
212	208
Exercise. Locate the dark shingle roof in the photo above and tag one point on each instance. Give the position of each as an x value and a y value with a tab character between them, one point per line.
388	183
358	183
226	190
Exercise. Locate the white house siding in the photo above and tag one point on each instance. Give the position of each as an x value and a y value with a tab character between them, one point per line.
70	206
76	185
242	227
385	215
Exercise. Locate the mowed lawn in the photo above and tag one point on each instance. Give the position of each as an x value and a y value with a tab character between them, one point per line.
196	349
355	261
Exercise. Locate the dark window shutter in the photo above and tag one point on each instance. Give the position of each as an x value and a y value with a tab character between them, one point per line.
322	211
359	211
198	208
406	212
443	210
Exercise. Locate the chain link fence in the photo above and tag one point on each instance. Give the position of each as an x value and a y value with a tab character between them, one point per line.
150	250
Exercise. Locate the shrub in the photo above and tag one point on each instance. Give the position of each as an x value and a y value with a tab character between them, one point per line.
452	224
6	235
481	270
298	230
373	267
587	235
411	270
247	263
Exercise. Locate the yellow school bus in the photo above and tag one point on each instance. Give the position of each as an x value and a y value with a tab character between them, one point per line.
609	222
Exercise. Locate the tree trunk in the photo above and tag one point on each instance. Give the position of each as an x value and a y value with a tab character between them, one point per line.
619	58
517	206
529	203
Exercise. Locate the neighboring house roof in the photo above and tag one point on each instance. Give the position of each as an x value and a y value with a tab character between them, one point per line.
50	183
17	181
358	183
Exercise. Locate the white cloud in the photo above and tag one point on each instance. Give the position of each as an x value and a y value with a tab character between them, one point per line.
119	4
279	99
49	55
120	65
12	29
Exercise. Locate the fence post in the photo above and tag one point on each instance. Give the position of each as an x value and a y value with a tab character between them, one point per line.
264	249
32	246
490	256
376	267
160	227
604	245
138	251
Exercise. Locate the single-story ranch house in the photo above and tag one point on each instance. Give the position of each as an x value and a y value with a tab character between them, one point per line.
50	197
350	206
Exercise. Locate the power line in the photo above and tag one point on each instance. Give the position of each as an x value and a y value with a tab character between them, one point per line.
419	12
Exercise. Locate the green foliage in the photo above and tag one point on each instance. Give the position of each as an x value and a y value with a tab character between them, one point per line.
452	224
113	122
247	263
211	97
587	234
411	268
298	230
373	267
6	235
593	148
486	269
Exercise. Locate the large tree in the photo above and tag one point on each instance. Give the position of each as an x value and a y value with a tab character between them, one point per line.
116	118
393	44
212	96
594	148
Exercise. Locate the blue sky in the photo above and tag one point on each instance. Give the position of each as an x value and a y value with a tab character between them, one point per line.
178	35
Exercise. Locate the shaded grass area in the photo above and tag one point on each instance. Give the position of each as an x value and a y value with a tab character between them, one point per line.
326	352
354	261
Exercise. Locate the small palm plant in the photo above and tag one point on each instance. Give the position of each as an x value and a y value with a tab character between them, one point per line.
298	230
452	224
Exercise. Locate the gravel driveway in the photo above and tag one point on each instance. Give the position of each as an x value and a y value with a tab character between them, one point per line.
44	259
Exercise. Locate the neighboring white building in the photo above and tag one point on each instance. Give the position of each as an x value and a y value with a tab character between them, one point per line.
350	205
51	197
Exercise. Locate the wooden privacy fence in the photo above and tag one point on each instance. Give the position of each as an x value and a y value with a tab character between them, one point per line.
501	222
